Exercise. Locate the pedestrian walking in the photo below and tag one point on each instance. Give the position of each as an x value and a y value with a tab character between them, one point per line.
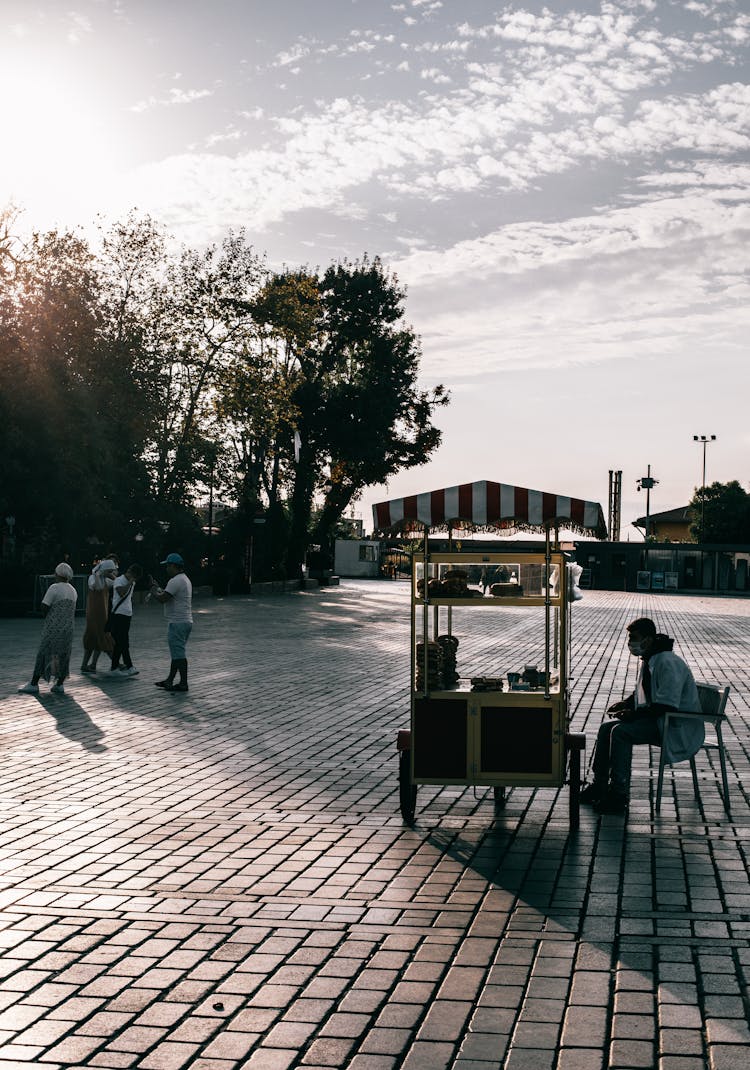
56	643
96	638
120	618
177	598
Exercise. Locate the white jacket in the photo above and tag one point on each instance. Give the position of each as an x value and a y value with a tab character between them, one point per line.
672	684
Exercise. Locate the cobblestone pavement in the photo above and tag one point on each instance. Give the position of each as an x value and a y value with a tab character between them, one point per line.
222	880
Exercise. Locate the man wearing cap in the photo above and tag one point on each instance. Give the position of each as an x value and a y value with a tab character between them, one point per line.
177	598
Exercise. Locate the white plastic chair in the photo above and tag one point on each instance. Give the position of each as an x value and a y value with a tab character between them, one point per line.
713	699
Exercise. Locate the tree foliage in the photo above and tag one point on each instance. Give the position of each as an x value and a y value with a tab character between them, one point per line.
720	513
137	378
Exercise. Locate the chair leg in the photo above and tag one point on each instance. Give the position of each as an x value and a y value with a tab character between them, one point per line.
660	781
723	764
696	785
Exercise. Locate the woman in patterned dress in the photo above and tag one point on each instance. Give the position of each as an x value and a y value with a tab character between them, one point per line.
56	643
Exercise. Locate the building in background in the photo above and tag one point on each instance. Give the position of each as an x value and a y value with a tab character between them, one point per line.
673	525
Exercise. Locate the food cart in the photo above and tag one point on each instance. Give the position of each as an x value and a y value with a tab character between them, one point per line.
490	694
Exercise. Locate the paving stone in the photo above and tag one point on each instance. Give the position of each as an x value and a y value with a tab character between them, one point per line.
169	1056
372	1062
727	1057
231	1045
584	1027
425	1055
268	1059
681	1062
75	1049
579	1059
258	887
631	1053
681	1042
529	1059
487	1047
385	1041
327	1051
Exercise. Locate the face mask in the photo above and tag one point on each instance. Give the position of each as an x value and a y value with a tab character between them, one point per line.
635	648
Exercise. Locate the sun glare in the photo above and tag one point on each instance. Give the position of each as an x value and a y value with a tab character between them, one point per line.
55	147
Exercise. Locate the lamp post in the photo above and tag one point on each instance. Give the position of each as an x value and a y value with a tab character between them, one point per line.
703	440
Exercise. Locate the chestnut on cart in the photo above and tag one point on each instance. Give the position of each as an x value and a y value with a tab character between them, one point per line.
507	723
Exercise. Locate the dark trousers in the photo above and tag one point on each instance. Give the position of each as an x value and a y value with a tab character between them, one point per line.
614	750
120	632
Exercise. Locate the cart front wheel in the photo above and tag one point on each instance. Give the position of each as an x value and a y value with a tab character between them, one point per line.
406	789
500	798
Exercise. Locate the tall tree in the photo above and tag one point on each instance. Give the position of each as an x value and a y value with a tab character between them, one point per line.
721	513
71	457
198	328
355	405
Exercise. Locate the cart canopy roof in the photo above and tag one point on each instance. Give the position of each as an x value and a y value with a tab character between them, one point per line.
492	507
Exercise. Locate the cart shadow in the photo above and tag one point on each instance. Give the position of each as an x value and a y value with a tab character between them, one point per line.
542	867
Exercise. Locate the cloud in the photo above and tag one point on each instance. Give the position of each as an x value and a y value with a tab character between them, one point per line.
293	55
530	96
432	74
79	27
175	97
437	148
649	279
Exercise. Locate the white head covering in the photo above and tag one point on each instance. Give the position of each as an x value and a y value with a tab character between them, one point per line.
106	566
65	571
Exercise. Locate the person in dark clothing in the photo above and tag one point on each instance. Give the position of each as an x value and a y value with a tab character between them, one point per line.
119	620
664	683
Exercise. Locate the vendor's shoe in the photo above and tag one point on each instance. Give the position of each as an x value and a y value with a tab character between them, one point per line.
29	689
175	687
57	689
128	672
592	794
612	803
163	683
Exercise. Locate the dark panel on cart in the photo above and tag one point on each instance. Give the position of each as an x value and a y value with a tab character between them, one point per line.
516	739
440	727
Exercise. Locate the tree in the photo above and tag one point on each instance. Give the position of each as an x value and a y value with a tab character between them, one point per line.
355	404
133	376
720	513
196	326
65	444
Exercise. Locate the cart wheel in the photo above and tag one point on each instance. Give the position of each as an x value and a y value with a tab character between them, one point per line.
574	744
407	791
500	798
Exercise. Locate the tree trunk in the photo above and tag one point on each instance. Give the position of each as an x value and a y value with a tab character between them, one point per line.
301	508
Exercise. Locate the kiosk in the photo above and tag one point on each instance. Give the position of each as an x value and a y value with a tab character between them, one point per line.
490	642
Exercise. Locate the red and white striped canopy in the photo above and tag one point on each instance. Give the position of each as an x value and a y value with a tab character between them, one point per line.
490	505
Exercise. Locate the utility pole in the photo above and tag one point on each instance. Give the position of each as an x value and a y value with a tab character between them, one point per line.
703	440
646	483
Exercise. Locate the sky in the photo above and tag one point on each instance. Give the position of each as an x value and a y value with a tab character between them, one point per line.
561	187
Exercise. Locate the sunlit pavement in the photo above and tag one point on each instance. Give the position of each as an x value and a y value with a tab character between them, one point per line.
222	879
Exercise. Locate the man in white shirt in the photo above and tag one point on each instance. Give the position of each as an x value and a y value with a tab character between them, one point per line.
177	598
665	683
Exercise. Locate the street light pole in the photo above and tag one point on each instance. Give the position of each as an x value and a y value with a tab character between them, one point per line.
704	441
